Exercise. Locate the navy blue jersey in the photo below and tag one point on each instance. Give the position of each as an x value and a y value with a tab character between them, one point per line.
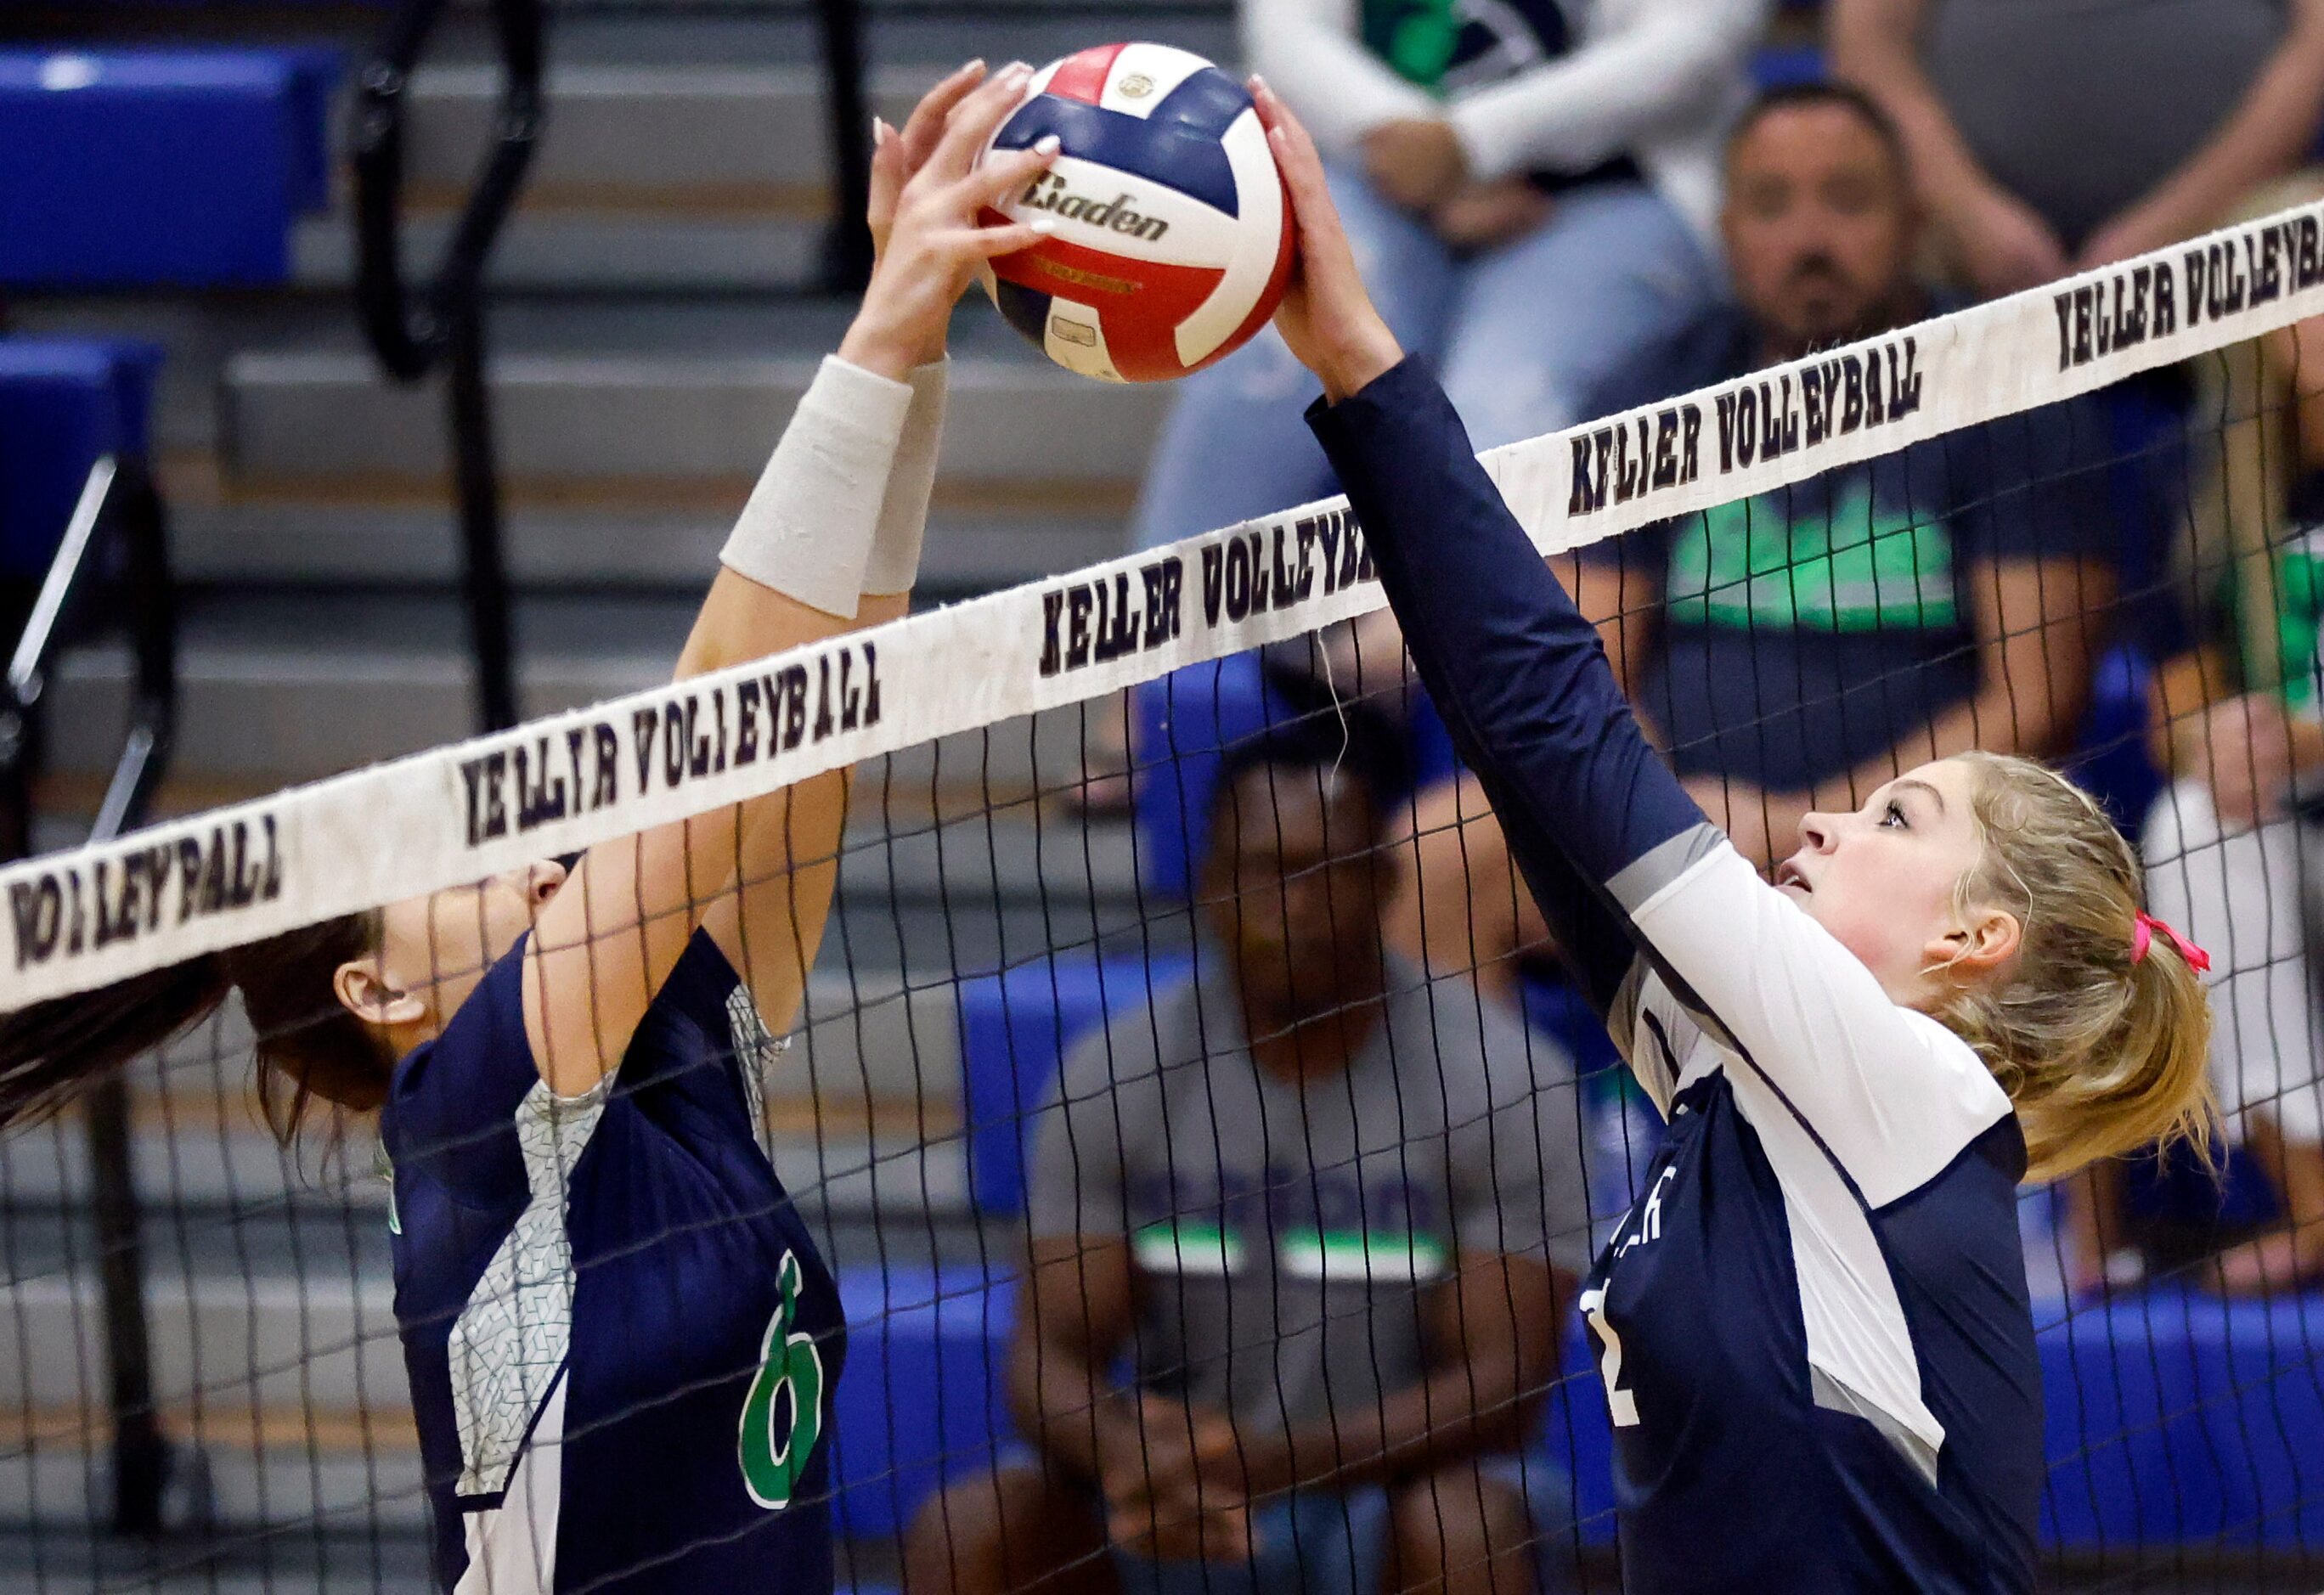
621	1342
1813	1326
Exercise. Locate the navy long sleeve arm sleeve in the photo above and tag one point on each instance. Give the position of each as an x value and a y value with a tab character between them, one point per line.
1618	856
1519	675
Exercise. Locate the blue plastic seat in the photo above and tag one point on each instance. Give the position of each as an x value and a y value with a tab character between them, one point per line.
2260	1367
922	1398
63	402
1782	66
1183	722
1015	1028
123	168
1575	1434
2172	1419
2124	1439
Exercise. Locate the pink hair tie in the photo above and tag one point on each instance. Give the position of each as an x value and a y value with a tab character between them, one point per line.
2143	936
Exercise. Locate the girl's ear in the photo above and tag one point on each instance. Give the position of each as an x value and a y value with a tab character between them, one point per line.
1980	943
363	990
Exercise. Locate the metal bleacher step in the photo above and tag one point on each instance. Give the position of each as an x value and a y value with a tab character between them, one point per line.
683	177
749	133
347	1470
974	544
595	247
900	1161
268	703
339	1559
222	1340
602	416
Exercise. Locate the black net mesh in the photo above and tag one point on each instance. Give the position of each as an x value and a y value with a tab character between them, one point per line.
1183	1100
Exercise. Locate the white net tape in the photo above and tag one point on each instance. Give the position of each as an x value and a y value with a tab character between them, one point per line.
80	919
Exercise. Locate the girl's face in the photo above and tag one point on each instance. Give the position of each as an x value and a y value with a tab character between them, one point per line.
1882	881
435	949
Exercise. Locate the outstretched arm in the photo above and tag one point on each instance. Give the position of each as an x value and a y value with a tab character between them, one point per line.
1351	348
1604	833
811	560
1518	673
769	921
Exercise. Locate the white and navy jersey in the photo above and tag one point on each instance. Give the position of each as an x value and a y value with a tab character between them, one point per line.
621	1339
1813	1326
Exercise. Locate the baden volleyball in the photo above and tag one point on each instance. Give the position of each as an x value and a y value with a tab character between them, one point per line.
1173	231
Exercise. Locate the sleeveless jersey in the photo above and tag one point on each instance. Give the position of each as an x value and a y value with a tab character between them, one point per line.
621	1341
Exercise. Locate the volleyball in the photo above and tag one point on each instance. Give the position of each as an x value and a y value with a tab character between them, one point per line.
1173	233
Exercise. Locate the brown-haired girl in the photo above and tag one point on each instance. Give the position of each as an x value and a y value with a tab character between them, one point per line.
621	1339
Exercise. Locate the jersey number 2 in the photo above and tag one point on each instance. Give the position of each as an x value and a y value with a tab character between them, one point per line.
1620	1403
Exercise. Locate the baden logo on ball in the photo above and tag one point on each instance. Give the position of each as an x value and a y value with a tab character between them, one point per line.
1174	236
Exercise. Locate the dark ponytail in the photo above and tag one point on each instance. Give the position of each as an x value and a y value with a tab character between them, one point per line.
49	1051
307	1045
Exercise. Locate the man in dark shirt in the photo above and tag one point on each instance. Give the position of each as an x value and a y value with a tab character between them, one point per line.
1792	651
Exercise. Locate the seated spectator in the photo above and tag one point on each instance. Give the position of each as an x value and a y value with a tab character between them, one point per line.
1480	152
1795	651
1328	1213
2227	862
2049	136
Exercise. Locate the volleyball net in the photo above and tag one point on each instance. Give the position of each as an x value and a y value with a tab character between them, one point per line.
1179	1066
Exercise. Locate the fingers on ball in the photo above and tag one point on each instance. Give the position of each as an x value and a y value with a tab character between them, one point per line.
975	118
992	241
1020	164
927	121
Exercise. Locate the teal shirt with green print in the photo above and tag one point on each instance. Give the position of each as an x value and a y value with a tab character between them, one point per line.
2293	629
2263	613
1807	629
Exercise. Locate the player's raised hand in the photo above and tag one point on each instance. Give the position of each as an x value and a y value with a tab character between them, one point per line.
935	233
898	154
1326	315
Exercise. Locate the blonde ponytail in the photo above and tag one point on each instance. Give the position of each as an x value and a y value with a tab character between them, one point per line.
2101	1050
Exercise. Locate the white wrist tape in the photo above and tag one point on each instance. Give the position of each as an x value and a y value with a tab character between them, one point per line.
808	529
895	562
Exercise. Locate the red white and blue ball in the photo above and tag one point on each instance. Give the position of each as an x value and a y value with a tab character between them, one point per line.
1173	234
